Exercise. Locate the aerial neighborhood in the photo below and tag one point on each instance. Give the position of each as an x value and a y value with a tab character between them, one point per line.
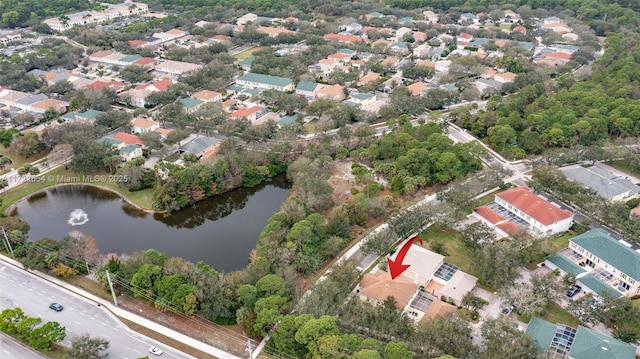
462	181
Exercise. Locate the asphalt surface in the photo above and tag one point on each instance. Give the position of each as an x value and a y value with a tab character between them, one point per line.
19	288
11	348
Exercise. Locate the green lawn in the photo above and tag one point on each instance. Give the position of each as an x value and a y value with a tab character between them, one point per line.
141	198
19	161
457	253
247	53
310	127
623	165
555	314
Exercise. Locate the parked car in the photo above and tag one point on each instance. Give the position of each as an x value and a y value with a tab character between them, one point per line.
155	351
507	310
55	306
575	289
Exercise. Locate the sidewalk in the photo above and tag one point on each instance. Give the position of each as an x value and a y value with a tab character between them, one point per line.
115	311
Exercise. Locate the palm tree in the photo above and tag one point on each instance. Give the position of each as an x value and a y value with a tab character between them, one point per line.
132	7
64	19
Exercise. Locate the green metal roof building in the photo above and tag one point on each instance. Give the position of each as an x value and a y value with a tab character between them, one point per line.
561	341
617	255
266	82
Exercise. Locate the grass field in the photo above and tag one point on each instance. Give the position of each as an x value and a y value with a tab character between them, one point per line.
555	314
19	161
142	198
457	253
247	53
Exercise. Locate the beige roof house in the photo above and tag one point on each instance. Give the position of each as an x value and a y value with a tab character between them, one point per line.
417	88
423	264
335	92
208	96
370	77
377	287
460	284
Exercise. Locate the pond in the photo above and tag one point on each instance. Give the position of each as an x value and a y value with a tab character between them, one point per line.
221	231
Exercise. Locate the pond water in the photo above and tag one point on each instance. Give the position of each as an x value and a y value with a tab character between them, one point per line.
221	231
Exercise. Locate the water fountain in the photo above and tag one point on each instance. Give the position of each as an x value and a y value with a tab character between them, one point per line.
78	217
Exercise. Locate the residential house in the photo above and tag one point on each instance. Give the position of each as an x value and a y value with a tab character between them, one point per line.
208	96
273	31
111	12
373	15
138	96
8	36
600	263
430	16
127	138
562	341
487	85
176	67
399	48
443	66
527	210
26	103
421	50
419	36
246	63
469	18
611	186
89	115
511	16
376	287
265	82
308	89
505	77
381	44
347	39
418	88
363	99
221	39
521	29
200	146
401	32
559	58
10	97
43	105
251	113
488	73
339	58
111	142
143	125
464	38
287	120
129	152
333	92
368	78
352	28
189	104
244	19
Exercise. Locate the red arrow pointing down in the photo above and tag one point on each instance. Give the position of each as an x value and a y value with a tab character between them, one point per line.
396	267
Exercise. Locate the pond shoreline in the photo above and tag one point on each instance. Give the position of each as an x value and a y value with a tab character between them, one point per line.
8	212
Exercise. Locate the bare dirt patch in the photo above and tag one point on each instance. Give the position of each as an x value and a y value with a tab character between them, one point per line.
341	180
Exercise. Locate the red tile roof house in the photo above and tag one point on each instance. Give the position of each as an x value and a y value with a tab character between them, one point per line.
527	210
251	113
349	39
128	139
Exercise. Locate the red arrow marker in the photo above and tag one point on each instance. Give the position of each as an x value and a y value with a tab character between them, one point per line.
396	267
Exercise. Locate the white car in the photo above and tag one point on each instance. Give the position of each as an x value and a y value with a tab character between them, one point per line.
155	351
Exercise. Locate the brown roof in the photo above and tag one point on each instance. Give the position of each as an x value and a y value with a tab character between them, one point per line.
144	61
636	211
464	35
489	214
534	206
143	122
135	43
127	138
419	36
205	95
344	38
389	61
163	84
102	53
273	30
331	90
509	75
47	103
175	32
379	286
370	77
558	55
246	112
417	88
508	227
440	309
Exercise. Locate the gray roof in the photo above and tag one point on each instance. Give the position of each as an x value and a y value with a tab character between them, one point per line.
130	58
362	96
490	83
31	99
198	144
286	120
610	250
109	141
606	184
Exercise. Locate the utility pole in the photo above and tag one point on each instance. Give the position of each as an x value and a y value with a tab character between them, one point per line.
7	242
249	349
113	292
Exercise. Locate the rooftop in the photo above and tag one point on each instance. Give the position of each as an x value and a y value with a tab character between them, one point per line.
379	285
534	206
266	79
606	184
610	250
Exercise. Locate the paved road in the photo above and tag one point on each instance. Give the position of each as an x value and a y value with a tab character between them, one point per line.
11	348
19	288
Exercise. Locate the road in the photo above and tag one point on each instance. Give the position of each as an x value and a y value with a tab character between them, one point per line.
19	288
11	348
